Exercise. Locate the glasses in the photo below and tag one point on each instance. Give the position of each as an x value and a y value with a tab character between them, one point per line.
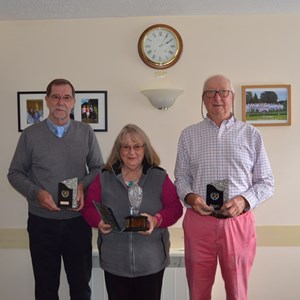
212	93
65	98
135	148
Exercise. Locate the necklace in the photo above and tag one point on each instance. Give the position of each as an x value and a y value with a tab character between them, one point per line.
130	183
131	177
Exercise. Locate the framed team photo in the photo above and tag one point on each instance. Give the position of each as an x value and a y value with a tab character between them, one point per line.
267	105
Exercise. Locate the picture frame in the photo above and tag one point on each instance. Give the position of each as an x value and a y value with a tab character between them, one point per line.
96	102
90	107
267	105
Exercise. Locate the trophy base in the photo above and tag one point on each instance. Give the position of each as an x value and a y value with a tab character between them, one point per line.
136	223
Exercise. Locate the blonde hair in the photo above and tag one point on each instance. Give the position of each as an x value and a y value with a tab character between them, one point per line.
135	133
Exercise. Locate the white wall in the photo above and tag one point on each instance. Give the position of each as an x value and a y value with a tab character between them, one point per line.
101	54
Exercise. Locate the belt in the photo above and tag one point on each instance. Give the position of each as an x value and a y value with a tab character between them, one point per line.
218	215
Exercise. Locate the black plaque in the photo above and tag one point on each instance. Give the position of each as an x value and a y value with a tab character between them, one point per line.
108	216
214	197
217	193
67	193
65	196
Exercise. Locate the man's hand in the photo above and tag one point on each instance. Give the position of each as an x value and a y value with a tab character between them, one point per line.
46	201
198	204
235	206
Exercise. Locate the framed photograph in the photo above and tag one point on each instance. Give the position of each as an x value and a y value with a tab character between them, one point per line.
90	107
267	105
31	108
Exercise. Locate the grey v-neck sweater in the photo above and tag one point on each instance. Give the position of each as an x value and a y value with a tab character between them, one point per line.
42	160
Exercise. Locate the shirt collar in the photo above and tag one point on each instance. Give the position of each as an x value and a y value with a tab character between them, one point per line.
53	126
227	123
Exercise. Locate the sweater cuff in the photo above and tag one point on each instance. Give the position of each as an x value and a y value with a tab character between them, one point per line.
158	218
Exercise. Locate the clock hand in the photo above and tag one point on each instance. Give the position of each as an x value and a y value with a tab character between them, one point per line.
162	43
166	42
169	41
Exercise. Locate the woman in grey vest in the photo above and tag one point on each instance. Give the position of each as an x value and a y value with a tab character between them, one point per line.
133	258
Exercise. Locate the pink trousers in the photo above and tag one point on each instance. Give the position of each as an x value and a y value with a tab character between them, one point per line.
231	242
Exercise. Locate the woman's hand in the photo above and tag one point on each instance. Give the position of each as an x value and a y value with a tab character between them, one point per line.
151	224
104	228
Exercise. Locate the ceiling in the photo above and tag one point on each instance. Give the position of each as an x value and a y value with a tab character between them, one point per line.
75	9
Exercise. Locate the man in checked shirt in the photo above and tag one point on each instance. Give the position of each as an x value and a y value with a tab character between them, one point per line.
221	149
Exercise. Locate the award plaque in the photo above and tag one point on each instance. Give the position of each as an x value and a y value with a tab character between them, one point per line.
217	193
108	216
67	193
136	222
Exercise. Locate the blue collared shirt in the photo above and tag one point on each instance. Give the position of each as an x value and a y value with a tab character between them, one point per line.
53	127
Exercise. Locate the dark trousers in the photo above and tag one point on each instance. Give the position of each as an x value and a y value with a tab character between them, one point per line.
136	288
49	241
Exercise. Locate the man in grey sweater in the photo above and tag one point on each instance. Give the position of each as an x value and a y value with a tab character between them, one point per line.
44	158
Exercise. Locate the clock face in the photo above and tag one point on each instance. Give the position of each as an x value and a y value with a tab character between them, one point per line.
160	46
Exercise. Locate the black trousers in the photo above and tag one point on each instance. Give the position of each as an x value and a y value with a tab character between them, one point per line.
50	241
136	288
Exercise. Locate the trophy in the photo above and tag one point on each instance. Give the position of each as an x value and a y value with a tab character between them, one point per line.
217	193
67	193
135	222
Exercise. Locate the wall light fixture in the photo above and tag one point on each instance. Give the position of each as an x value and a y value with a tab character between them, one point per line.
162	98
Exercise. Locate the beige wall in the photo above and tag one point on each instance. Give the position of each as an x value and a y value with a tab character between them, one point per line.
101	54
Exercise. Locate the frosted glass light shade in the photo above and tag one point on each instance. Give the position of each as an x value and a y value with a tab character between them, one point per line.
162	98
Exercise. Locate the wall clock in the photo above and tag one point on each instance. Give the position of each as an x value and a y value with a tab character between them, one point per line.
160	46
